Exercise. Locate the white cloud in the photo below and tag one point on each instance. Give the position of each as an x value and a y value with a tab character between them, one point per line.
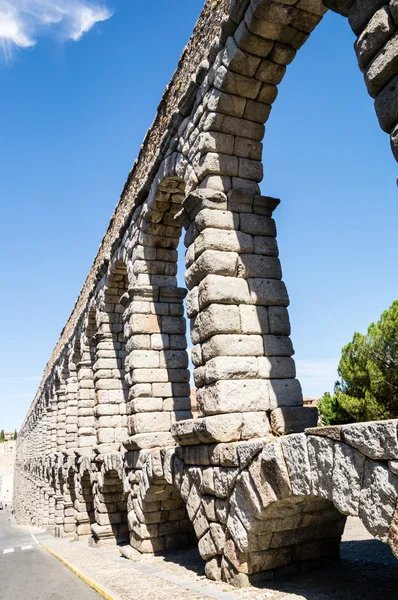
317	375
22	22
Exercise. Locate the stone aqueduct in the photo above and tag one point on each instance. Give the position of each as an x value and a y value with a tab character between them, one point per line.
109	449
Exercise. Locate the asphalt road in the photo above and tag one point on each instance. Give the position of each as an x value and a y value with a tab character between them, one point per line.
27	572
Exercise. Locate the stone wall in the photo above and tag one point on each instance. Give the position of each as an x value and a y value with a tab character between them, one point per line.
109	448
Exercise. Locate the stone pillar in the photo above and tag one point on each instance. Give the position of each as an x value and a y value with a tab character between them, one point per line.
156	364
110	388
71	412
59	498
86	424
84	506
49	421
51	509
53	424
240	327
61	415
69	498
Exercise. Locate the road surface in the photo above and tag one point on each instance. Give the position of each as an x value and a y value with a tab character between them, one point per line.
27	572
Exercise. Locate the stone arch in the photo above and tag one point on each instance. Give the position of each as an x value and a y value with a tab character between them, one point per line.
110	504
158	519
237	301
290	504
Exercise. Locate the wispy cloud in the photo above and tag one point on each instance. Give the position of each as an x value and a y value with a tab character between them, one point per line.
22	22
317	375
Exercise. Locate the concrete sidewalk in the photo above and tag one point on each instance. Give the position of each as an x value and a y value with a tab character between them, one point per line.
367	571
123	579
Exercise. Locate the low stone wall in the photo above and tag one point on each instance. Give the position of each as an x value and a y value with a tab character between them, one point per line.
257	509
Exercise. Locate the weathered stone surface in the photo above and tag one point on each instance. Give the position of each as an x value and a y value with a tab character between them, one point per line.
377	440
277	345
293	419
253	319
276	367
378	499
231	367
361	13
321	455
207	547
295	453
330	431
211	261
377	33
254	425
213	568
232	345
220	428
393	466
340	6
267	292
223	290
393	534
394	142
237	395
348	473
148	440
383	68
269	474
213	320
284	392
386	105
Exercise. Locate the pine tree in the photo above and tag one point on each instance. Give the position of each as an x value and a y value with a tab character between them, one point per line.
368	369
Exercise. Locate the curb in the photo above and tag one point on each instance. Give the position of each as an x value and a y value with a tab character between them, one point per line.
100	589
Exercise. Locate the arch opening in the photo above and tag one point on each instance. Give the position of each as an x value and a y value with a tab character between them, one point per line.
110	511
158	517
297	532
70	497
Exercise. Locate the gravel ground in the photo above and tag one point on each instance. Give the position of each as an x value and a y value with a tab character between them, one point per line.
367	571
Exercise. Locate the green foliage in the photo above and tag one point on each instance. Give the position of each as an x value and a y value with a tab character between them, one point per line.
14	437
368	369
2	435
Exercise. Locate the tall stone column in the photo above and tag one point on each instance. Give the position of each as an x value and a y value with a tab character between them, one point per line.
110	388
61	418
240	329
71	413
156	364
86	398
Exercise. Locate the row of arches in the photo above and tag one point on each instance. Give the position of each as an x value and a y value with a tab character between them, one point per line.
252	507
116	397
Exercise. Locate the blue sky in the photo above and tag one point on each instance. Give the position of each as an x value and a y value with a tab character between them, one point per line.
79	88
